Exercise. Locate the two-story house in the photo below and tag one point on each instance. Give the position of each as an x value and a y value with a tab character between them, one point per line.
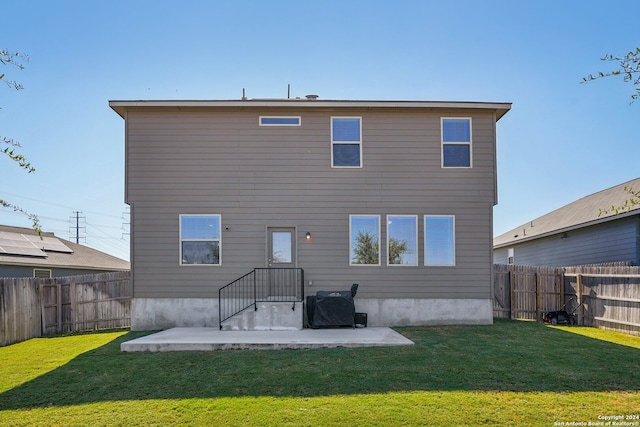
396	196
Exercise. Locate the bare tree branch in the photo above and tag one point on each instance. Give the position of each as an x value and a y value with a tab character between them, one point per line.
628	68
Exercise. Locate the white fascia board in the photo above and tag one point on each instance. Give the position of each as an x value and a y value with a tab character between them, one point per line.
500	107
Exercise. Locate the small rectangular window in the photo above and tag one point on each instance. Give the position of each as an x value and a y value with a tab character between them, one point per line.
510	256
41	273
402	240
364	239
346	142
280	121
200	239
439	240
456	142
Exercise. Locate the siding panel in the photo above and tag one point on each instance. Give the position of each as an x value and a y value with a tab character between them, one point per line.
216	161
616	241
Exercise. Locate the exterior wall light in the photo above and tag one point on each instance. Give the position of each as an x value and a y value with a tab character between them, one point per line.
308	236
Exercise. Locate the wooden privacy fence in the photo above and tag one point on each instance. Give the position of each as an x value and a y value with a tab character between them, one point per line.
32	307
606	297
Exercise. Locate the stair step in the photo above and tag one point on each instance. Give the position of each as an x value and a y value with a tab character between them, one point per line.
270	316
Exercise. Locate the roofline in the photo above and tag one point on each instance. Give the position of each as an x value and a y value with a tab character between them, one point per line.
501	108
569	228
61	266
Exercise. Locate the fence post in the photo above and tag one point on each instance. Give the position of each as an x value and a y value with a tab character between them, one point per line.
538	298
43	315
512	296
561	293
58	306
72	307
579	291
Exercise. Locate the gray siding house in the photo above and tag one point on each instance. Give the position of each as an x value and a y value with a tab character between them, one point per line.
396	196
23	253
577	234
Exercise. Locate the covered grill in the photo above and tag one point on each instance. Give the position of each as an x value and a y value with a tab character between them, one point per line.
332	308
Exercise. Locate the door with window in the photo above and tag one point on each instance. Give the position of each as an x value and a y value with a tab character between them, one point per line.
281	257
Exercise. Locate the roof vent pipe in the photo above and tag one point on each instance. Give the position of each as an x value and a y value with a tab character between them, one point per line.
311	97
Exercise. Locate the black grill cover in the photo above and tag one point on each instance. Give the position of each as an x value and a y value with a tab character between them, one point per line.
333	308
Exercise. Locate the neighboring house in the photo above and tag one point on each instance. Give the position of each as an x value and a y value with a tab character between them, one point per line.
24	253
577	234
396	196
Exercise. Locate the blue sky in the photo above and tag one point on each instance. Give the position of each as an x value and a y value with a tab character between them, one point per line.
562	140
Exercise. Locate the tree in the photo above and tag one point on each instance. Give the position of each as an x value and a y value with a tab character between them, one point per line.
628	204
397	248
629	69
14	59
365	250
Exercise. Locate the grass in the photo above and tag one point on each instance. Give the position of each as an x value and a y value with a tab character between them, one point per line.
511	373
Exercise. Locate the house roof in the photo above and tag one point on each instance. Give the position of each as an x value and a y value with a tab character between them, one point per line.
501	108
75	256
581	213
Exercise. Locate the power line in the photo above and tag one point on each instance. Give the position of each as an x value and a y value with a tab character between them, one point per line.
97	236
58	205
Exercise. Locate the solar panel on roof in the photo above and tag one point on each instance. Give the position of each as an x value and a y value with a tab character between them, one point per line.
17	244
48	244
28	250
5	235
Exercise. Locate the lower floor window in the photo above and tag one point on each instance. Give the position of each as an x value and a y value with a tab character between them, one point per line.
364	244
402	240
439	240
200	239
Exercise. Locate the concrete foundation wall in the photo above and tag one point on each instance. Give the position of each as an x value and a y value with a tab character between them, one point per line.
150	314
164	313
416	312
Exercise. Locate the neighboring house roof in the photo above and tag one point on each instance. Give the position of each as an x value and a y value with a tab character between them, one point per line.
52	252
501	108
581	213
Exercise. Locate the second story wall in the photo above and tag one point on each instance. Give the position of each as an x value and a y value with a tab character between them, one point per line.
221	161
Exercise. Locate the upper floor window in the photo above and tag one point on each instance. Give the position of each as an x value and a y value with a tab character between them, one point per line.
280	121
439	240
456	142
200	239
346	142
364	239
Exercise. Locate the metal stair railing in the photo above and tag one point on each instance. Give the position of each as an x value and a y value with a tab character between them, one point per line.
260	285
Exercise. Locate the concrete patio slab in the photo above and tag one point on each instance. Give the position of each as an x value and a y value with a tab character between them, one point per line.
208	339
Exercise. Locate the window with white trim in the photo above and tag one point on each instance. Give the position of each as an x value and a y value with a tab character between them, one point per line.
41	273
346	142
200	239
280	120
402	240
511	256
456	142
364	239
439	240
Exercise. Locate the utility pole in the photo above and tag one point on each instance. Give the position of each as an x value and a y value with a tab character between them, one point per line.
77	227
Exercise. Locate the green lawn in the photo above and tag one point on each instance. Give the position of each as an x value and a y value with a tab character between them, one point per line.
511	373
